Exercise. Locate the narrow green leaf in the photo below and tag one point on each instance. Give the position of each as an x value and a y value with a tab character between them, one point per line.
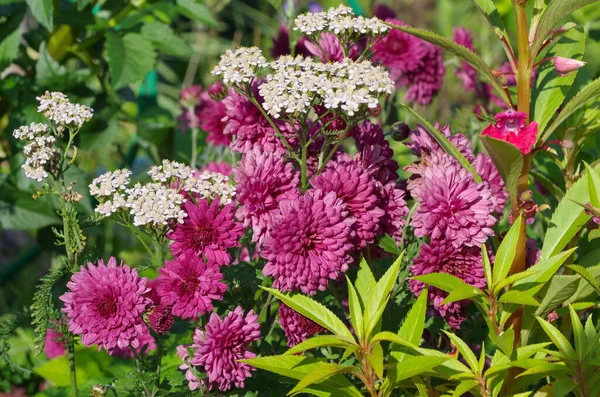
583	272
543	272
490	12
460	51
482	358
42	11
556	191
487	268
465	351
197	11
461	294
578	334
414	322
505	341
557	338
391	337
365	281
443	281
506	252
464	387
590	91
376	359
544	368
524	352
519	298
417	365
508	159
130	58
593	185
320	371
320	341
513	279
356	315
445	143
388	244
561	288
313	311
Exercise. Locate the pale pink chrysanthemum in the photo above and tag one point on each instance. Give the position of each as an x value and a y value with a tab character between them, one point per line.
453	206
356	188
105	304
189	284
489	173
219	348
296	327
442	257
193	382
147	344
309	242
465	72
208	230
54	346
263	180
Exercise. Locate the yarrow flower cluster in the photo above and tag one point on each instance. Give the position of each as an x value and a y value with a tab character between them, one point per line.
240	65
55	106
340	20
41	157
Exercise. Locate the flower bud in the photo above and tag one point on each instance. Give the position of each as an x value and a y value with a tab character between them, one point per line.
566	144
566	66
190	96
217	91
161	319
400	131
98	390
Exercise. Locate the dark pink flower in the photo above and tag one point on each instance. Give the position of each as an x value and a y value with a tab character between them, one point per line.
309	242
55	345
296	327
422	143
489	173
399	51
424	83
189	284
329	49
190	96
395	210
452	206
443	257
511	127
281	44
105	304
209	229
465	72
384	12
356	188
161	319
210	118
218	349
221	167
374	153
146	345
263	180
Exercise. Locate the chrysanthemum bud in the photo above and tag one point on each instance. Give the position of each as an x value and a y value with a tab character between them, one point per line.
566	66
400	131
190	96
217	91
161	319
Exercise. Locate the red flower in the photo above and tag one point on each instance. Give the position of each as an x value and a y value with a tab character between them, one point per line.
511	127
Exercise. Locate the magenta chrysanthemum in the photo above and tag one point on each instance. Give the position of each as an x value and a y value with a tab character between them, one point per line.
442	257
54	346
189	284
422	143
489	173
453	206
263	181
399	51
309	242
222	344
356	188
222	168
201	111
105	304
296	327
424	83
208	230
395	210
465	72
375	154
147	344
329	49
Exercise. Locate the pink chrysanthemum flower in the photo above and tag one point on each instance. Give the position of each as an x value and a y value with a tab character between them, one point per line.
161	319
263	180
489	173
374	153
189	284
105	304
453	206
222	344
309	242
209	229
193	382
147	344
329	49
207	114
400	52
425	82
221	167
395	210
281	44
442	257
296	327
511	127
422	143
54	346
465	72
356	188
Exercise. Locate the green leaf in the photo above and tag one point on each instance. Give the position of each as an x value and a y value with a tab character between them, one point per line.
276	3
508	159
81	4
561	288
391	337
462	52
551	88
197	11
445	143
42	11
130	58
376	359
487	267
376	303
466	352
51	74
513	279
578	334
443	281
165	39
414	322
557	338
519	298
583	272
365	281
505	341
461	294
19	212
388	244
356	315
10	36
464	387
319	372
594	185
320	341
543	272
568	218
413	366
590	91
488	9
506	252
556	191
313	311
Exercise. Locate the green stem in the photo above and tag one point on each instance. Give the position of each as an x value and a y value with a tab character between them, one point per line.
159	352
303	168
72	370
194	148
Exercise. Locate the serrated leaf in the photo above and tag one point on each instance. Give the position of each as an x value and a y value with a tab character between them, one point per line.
465	351
313	311
413	366
508	159
445	143
42	11
525	352
165	39
10	36
356	315
365	281
551	88
388	244
505	341
543	272
443	281
130	58
319	372
490	12
557	338
561	288
320	341
464	387
593	185
460	51
197	11
506	252
590	91
513	279
568	218
578	334
391	337
519	298
587	276
461	294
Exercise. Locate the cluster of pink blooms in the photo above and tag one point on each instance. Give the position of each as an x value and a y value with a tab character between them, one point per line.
454	212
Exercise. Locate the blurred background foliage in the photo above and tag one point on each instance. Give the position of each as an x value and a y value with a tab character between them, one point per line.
128	60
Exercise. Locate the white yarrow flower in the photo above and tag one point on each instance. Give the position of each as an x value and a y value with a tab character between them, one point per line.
31	131
109	183
240	65
55	106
